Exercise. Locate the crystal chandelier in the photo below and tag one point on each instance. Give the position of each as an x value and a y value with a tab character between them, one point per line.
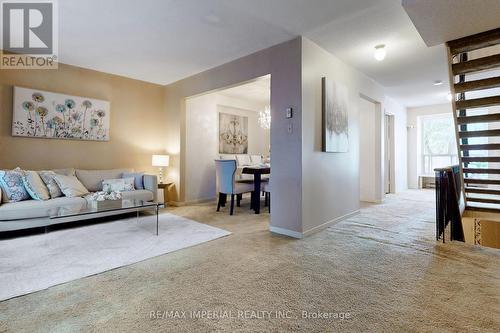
265	118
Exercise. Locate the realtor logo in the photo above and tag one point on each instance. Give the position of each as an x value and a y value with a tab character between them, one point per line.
29	34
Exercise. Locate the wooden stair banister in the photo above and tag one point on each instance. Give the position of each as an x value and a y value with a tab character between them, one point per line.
477	147
475	42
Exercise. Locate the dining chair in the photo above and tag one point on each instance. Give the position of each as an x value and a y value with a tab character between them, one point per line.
266	188
225	171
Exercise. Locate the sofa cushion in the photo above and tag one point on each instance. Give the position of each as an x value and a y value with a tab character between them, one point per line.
118	185
65	172
138	179
256	159
35	186
70	186
29	209
92	179
143	195
243	160
11	182
48	178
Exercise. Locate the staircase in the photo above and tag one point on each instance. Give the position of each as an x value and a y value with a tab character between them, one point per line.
474	64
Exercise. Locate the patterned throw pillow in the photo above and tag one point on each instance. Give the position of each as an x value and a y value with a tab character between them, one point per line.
118	185
139	179
35	186
48	179
12	185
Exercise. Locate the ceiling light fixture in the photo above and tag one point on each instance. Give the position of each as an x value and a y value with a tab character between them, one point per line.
265	118
438	82
380	52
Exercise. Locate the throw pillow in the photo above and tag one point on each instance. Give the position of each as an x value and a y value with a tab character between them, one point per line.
138	179
48	179
118	185
12	185
70	186
35	186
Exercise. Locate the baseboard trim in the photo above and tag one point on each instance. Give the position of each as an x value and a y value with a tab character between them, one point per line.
286	232
329	223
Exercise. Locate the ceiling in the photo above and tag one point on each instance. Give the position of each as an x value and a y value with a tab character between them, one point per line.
258	91
163	41
438	23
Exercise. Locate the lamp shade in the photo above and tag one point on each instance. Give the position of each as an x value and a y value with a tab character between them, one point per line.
160	160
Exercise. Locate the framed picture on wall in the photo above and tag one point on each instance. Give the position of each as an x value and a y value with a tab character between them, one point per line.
44	114
233	134
335	129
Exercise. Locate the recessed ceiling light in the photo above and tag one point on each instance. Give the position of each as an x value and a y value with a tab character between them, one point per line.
380	52
438	82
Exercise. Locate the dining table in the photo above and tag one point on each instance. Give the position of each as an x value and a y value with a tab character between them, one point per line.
257	171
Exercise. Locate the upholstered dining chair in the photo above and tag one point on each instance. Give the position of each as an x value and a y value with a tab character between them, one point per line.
266	188
225	171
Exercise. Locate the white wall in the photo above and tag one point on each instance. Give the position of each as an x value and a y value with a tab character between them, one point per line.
400	143
367	151
202	144
330	181
413	137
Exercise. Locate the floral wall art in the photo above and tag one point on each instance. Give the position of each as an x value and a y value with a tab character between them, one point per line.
233	134
43	114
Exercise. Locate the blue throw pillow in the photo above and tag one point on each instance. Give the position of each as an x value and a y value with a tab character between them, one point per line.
12	185
138	179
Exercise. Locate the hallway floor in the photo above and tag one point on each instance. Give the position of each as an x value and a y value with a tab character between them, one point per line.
382	269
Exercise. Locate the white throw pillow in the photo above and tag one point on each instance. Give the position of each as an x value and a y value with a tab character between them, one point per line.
118	185
70	186
35	186
243	160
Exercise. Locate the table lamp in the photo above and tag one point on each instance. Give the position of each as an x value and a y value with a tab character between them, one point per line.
160	161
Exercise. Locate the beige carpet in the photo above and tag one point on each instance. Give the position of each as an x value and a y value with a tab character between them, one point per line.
382	267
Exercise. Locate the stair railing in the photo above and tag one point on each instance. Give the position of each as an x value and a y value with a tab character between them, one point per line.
449	203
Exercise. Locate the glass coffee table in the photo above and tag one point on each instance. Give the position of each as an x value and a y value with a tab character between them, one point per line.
93	210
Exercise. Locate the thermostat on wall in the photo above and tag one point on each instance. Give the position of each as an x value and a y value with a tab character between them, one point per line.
289	112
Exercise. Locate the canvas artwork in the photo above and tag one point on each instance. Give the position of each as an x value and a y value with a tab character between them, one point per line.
233	134
43	114
335	117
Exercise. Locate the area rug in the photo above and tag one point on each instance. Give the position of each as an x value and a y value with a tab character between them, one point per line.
32	263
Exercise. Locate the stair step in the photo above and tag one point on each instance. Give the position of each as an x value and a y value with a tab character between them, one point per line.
489	83
474	42
479	134
481	159
489	146
482	171
483	209
477	102
476	65
484	200
482	190
487	118
482	181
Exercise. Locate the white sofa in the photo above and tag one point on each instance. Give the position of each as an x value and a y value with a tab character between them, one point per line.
34	213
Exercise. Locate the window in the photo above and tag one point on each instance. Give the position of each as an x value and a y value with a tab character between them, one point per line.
439	147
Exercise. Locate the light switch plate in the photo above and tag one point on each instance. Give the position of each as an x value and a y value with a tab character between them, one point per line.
289	113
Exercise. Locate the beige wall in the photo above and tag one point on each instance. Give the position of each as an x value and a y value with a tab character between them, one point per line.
137	126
